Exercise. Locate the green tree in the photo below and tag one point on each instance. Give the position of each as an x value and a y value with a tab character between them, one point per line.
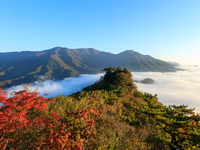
179	122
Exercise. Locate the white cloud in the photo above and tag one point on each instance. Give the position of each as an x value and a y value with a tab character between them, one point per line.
182	87
62	87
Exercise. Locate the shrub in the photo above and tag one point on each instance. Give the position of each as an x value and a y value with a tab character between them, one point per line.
25	124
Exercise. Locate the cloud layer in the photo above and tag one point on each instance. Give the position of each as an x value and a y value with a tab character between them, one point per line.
182	87
62	87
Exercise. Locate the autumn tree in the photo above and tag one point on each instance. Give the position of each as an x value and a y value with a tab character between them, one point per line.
25	124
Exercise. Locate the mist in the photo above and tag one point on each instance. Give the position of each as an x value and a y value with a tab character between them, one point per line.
182	87
65	87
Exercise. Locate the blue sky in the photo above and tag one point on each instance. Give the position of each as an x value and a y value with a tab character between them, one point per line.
164	29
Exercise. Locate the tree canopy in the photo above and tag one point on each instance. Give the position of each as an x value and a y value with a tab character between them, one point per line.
110	114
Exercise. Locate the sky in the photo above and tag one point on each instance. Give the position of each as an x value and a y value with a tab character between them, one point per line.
177	88
165	29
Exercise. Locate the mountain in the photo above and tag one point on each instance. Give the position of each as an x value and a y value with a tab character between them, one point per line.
111	114
146	81
58	63
173	63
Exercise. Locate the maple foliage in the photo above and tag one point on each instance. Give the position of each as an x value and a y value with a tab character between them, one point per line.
131	119
24	123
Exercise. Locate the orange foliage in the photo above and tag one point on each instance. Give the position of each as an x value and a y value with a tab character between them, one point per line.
13	118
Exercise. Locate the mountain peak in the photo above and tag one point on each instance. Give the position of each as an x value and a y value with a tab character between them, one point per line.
114	78
59	63
127	52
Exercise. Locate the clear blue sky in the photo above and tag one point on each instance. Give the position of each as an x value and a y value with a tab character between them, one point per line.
164	29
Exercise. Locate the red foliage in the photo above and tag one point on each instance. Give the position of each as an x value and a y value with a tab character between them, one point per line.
13	117
13	112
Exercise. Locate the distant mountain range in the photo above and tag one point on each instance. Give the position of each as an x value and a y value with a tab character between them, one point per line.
175	64
58	63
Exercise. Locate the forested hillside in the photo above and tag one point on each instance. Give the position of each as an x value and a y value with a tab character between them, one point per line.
58	63
110	114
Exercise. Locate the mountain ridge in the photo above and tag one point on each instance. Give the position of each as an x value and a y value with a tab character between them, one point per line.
59	62
109	114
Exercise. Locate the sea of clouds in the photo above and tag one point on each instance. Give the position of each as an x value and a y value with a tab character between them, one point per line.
182	87
65	87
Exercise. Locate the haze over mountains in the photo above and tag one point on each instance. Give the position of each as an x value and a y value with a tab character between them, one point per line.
58	63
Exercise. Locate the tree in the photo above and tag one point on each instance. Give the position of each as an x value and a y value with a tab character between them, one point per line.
179	122
26	124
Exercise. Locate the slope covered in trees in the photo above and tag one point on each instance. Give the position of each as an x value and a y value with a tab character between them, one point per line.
110	114
58	63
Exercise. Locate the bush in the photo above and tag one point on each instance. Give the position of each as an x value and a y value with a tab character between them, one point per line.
25	124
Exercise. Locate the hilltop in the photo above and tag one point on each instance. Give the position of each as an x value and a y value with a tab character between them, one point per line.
110	114
58	63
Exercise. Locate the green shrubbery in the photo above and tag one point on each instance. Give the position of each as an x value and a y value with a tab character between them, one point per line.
110	114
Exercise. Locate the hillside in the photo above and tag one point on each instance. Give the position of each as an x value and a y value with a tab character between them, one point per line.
110	114
58	63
